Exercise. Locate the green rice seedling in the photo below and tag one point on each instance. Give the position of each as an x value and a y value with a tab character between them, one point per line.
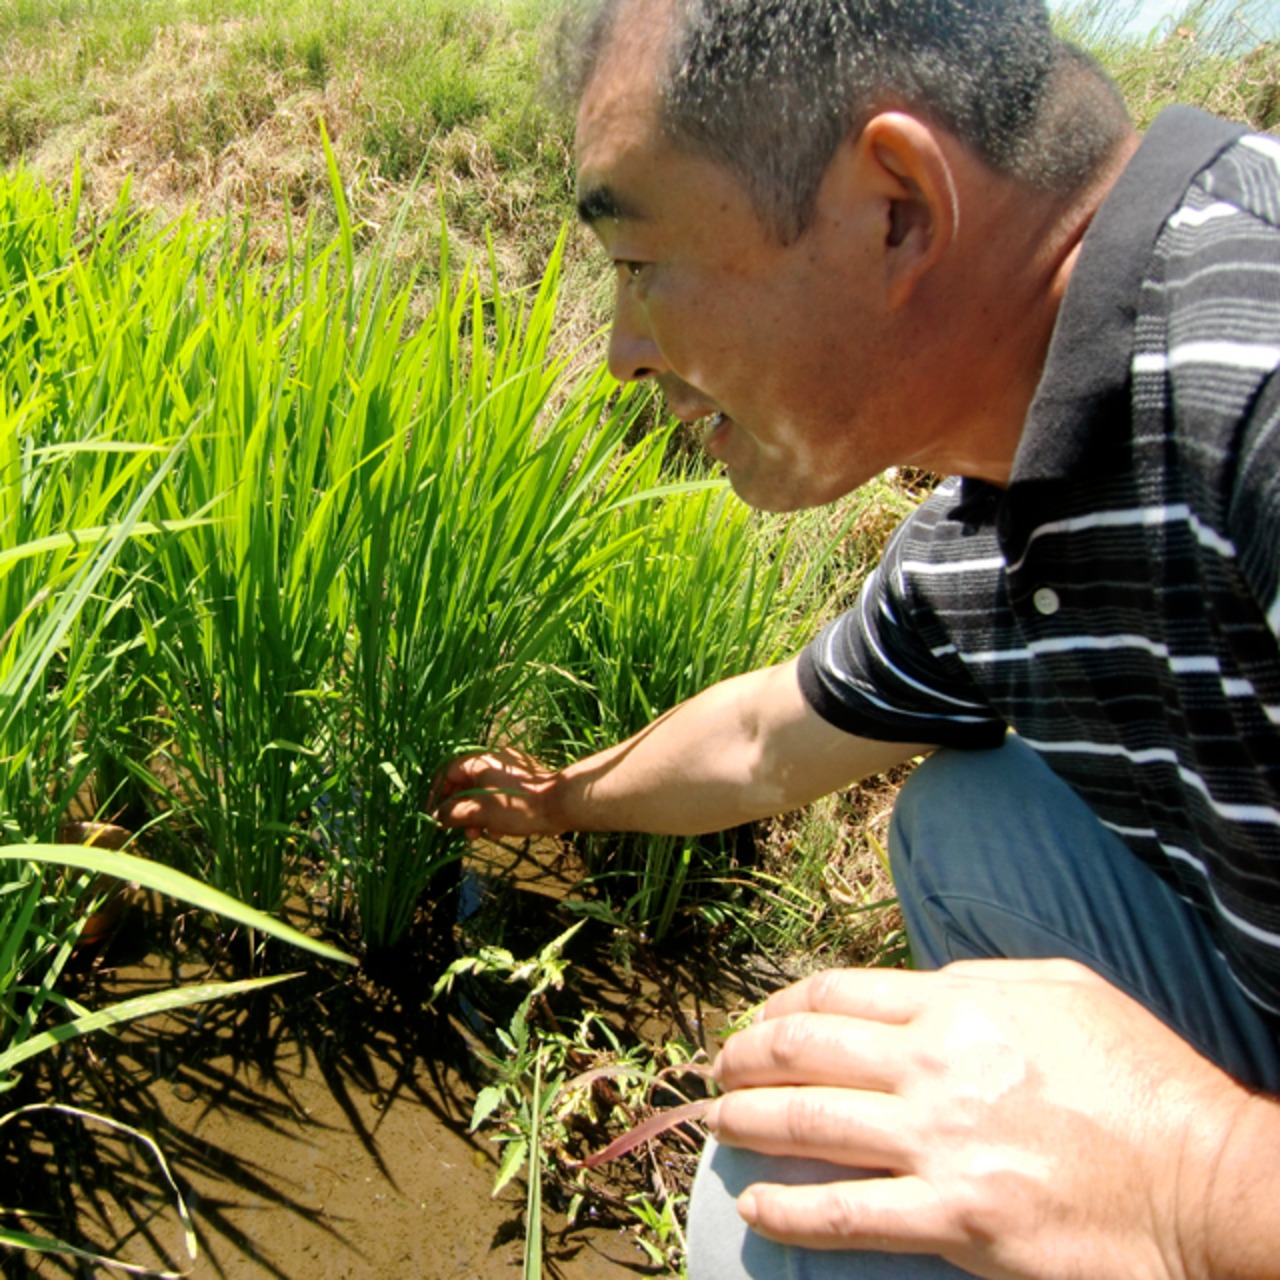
47	659
71	504
373	533
147	343
246	612
708	590
221	629
73	496
480	508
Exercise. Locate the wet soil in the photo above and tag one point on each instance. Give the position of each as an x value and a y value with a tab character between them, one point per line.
319	1129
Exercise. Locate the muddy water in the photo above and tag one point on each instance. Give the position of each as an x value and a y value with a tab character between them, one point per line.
319	1130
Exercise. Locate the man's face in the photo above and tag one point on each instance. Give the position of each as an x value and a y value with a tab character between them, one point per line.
784	351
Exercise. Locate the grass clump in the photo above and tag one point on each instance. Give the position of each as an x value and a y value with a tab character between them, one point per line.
375	542
707	589
1221	55
221	107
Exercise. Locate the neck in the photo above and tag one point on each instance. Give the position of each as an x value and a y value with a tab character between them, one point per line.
1000	298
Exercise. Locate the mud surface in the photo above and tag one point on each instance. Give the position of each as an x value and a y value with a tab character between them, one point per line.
319	1129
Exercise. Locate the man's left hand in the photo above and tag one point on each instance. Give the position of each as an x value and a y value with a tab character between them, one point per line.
1031	1120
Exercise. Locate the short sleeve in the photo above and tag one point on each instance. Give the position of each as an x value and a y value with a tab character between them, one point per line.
881	670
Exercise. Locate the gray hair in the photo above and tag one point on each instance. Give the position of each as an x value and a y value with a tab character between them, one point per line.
770	88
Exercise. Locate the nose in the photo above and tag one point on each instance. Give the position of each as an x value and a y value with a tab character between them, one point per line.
633	354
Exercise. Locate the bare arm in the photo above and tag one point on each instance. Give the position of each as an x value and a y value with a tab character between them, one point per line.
743	749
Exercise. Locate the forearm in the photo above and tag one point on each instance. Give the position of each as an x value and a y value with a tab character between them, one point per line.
746	748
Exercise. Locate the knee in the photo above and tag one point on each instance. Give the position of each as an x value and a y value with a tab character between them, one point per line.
960	810
946	795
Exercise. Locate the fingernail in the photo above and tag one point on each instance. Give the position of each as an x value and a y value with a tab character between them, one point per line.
748	1211
711	1117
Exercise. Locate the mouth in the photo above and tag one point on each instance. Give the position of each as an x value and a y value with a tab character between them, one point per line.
714	430
710	426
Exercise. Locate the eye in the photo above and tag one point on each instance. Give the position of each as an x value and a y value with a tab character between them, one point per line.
632	270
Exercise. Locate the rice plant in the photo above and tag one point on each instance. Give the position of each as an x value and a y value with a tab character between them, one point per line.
707	590
247	611
77	496
479	517
355	567
382	541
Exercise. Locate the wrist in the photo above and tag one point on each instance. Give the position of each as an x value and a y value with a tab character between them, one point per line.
561	801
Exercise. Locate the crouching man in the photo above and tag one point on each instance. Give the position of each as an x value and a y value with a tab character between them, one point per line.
855	233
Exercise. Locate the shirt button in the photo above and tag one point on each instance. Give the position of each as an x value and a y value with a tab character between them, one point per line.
1046	601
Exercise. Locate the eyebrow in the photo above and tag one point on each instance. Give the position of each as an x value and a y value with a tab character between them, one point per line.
599	202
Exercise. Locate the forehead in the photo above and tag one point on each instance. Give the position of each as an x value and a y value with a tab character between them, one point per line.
619	136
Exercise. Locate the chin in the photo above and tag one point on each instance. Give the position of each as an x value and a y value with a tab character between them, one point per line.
796	497
777	502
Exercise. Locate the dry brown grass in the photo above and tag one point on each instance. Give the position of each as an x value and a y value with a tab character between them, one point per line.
825	880
189	128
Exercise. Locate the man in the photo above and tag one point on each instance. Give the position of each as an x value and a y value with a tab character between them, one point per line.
855	234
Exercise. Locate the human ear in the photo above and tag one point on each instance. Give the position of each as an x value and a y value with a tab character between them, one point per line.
900	165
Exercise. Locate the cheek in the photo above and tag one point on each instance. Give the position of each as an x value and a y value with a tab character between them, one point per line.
709	317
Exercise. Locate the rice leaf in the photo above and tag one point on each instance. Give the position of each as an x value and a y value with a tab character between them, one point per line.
172	883
130	1010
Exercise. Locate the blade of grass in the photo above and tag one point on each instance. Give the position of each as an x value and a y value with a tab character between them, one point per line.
129	1011
174	884
24	1240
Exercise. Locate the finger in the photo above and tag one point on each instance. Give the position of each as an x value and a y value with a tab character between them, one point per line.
479	814
812	1049
850	1127
893	1215
461	768
484	773
453	812
455	777
882	995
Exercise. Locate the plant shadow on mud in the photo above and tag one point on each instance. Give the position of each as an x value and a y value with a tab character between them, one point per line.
322	1127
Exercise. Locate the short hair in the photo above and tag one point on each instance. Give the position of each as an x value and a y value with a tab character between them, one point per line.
770	88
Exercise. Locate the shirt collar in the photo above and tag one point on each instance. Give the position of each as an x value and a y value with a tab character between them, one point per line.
1081	409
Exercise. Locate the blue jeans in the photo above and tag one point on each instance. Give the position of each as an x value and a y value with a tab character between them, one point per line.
994	856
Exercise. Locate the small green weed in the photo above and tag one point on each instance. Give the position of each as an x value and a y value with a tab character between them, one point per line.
557	1087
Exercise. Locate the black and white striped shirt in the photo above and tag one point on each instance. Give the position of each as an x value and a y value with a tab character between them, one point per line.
1117	605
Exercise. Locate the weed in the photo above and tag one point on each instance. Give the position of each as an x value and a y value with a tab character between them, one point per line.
554	1086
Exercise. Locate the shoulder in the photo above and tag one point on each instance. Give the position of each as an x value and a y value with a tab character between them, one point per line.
1245	177
1226	224
1208	332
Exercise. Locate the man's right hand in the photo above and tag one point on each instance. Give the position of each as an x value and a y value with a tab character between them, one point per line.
498	793
746	748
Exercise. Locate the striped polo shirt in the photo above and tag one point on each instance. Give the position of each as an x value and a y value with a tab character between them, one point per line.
1117	604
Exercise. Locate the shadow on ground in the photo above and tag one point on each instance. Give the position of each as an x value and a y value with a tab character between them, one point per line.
319	1128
